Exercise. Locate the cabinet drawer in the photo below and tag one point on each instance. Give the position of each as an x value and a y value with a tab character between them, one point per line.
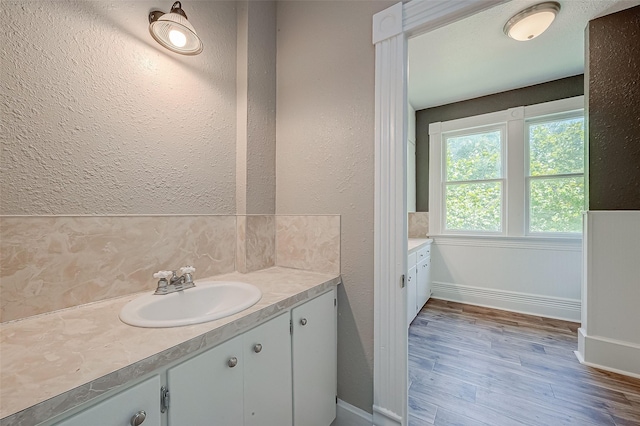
120	408
424	252
411	259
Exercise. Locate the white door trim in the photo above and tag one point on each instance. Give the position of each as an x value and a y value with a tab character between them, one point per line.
391	29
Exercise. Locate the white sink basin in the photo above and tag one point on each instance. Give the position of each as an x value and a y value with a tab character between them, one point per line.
207	301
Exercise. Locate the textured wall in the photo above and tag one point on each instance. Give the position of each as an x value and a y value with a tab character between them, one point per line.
531	95
256	106
613	102
324	160
99	118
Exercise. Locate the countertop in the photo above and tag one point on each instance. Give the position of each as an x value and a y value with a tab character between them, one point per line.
414	243
56	361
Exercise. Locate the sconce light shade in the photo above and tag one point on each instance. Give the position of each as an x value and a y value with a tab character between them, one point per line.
532	21
173	31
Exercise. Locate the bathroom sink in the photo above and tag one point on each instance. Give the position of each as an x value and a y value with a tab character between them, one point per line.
207	301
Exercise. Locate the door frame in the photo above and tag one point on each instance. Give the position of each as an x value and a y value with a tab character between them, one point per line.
392	28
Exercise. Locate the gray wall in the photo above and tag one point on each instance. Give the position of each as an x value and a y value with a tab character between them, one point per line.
539	93
325	156
98	118
613	103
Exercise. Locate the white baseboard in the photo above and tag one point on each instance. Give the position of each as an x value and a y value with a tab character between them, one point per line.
532	304
608	354
384	417
348	415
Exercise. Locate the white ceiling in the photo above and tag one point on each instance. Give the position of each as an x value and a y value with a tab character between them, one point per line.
473	57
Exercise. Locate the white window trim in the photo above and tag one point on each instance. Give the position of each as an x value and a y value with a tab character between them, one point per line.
515	213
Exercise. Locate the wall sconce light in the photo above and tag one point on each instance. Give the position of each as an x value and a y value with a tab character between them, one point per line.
173	31
532	21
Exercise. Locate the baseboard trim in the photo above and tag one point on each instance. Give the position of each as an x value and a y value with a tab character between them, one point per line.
349	415
532	304
384	417
608	354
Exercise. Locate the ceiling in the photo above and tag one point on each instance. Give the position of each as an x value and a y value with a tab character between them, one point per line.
473	57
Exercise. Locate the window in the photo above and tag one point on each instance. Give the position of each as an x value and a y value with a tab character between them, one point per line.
513	173
555	179
474	180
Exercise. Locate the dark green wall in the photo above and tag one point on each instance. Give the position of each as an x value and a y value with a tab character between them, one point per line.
545	92
613	108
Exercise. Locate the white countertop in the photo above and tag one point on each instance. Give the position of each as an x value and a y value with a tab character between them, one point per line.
415	243
52	362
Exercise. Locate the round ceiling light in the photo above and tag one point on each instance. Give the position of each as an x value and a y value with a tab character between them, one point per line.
174	31
532	21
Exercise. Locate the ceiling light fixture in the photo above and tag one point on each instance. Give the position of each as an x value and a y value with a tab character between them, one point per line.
532	21
173	31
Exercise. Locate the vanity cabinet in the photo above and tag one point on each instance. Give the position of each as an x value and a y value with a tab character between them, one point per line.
120	409
238	382
418	280
268	399
281	373
423	270
412	288
314	336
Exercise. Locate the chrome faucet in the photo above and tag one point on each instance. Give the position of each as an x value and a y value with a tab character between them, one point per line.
174	282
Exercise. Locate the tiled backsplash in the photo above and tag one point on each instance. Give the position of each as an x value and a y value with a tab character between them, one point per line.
308	242
51	263
418	224
256	243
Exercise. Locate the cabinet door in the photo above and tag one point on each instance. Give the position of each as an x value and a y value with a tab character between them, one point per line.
267	374
120	408
412	294
315	361
207	389
424	278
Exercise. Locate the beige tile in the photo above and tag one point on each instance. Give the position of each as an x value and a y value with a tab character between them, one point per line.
308	242
51	263
260	242
241	244
418	224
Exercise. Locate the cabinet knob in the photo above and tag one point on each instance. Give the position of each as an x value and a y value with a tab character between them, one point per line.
257	348
233	361
138	418
303	321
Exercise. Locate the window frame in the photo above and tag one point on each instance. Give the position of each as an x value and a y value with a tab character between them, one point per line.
567	115
502	128
515	167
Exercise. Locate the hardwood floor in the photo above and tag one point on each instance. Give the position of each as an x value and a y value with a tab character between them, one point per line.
470	366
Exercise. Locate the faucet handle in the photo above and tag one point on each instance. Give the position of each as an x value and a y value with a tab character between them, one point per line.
187	270
163	274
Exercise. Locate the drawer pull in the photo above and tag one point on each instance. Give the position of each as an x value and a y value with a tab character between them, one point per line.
257	348
138	418
233	361
303	321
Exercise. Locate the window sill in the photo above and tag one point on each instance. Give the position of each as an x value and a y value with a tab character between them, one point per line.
562	243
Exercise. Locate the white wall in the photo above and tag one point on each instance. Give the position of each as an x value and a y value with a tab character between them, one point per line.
324	159
539	277
411	159
610	333
99	118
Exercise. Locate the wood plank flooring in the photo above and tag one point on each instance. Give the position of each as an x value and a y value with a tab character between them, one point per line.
470	366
